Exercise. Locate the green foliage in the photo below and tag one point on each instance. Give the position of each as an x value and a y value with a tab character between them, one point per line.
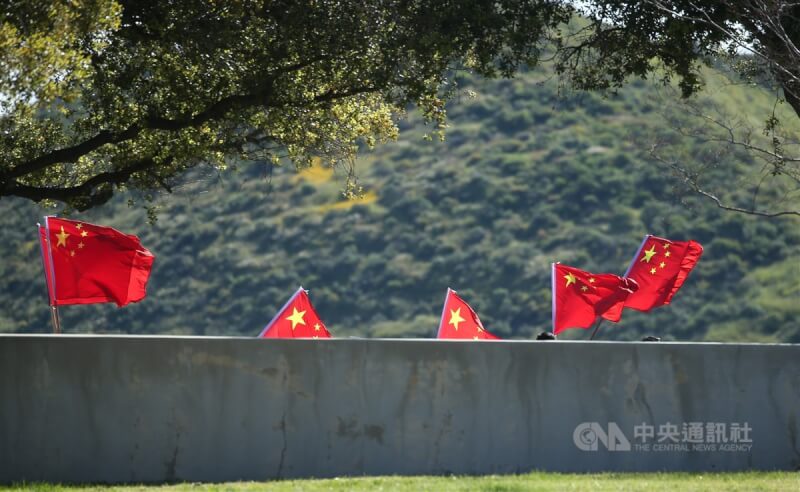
524	178
100	96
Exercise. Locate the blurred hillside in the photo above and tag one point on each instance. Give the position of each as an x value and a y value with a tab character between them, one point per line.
525	177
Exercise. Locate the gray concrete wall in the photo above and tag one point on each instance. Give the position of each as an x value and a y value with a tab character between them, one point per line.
151	409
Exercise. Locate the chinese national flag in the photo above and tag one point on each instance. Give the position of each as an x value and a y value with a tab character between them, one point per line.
296	319
460	321
86	263
579	297
660	267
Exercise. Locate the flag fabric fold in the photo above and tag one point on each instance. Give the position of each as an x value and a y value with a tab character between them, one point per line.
86	263
579	297
296	319
660	267
460	321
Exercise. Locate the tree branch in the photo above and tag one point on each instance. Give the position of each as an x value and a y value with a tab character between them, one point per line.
92	192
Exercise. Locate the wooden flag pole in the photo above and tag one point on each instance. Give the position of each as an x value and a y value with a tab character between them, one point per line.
596	327
56	321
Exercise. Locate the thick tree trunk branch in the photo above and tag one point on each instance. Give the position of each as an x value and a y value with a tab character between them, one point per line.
86	192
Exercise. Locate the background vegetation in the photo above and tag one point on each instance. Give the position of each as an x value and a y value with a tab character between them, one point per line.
526	176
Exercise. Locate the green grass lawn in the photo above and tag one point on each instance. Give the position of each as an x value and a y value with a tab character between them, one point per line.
789	481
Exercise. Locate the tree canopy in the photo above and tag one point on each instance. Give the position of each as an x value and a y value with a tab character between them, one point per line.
100	95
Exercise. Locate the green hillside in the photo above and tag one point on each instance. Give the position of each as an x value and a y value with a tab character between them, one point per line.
525	177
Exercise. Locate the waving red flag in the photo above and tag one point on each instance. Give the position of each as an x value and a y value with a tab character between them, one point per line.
579	297
460	321
296	319
660	267
87	263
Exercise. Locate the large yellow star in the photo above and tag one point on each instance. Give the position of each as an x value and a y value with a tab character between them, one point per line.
570	279
648	253
455	318
297	317
62	238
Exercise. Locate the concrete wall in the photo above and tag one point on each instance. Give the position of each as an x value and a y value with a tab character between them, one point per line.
151	409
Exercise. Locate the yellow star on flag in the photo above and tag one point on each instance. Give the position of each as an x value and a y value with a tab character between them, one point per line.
662	264
79	226
455	318
297	317
648	253
591	280
84	233
316	326
667	254
584	288
62	238
570	279
652	271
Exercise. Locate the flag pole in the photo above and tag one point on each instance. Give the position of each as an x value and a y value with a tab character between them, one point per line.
56	320
596	327
444	308
553	293
47	260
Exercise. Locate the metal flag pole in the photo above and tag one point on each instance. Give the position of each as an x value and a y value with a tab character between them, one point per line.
50	280
596	327
56	320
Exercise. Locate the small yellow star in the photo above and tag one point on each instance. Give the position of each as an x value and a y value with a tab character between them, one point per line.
570	279
316	326
584	288
648	253
667	254
79	226
297	317
72	253
662	264
455	318
84	233
591	280
653	271
81	245
666	245
62	238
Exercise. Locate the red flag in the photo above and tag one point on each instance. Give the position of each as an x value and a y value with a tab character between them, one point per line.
579	297
296	319
660	267
460	321
86	263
